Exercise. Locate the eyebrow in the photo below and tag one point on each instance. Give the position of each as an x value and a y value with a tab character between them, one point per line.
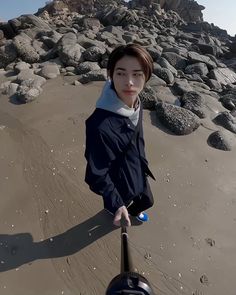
122	69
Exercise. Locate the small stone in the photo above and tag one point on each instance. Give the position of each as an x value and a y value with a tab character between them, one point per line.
210	242
204	280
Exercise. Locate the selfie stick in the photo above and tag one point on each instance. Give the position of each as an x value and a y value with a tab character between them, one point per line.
128	282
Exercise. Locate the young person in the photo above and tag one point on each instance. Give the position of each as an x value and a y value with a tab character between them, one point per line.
117	168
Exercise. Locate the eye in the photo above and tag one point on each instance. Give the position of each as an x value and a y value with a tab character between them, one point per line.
138	74
120	73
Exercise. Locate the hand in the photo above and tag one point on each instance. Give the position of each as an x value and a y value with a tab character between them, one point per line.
121	212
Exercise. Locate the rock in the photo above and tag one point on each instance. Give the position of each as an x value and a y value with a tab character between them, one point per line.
155	82
193	102
95	75
222	140
69	50
199	68
26	94
176	60
226	120
181	86
195	57
148	98
8	54
24	48
164	74
20	66
25	75
9	88
223	75
165	64
93	53
121	16
49	71
86	67
178	120
228	99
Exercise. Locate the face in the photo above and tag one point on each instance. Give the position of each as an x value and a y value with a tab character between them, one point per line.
128	79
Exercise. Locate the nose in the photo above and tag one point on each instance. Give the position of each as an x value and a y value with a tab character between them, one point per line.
129	81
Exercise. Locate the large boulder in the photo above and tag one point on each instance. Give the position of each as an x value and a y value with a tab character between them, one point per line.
119	16
193	102
8	54
223	75
69	50
177	119
24	48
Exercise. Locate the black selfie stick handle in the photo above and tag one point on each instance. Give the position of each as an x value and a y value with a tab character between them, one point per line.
126	263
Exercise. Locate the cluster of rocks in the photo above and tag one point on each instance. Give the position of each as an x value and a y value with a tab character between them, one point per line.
194	62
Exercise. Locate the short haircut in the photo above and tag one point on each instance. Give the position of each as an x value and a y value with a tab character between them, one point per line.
134	50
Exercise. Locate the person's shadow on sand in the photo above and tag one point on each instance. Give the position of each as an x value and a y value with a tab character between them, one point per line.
19	249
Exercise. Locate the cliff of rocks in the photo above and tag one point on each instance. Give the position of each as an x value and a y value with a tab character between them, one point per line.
194	62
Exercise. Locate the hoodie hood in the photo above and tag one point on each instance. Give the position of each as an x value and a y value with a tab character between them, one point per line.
109	101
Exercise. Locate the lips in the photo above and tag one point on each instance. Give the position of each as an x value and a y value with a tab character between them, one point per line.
129	92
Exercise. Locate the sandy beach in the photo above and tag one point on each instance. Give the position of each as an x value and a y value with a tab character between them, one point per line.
56	239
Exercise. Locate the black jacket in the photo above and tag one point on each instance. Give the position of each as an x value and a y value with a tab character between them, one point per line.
116	175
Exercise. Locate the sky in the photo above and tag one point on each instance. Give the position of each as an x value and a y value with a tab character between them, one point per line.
221	13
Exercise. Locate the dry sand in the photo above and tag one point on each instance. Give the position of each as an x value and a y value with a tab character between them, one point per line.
56	239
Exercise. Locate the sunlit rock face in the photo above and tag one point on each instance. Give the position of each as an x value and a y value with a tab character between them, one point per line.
189	10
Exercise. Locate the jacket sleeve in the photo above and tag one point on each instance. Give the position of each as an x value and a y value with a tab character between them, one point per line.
99	156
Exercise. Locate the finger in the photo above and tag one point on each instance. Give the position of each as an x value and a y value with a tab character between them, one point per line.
117	218
128	221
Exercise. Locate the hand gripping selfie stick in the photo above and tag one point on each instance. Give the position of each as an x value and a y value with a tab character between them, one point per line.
128	282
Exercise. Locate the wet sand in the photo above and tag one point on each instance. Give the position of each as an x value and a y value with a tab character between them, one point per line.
56	239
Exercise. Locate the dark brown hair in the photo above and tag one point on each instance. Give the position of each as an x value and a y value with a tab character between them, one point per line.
134	50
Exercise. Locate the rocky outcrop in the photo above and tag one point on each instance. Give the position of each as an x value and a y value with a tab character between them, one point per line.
194	78
189	10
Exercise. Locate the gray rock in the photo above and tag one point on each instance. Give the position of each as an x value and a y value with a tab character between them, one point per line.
209	49
155	82
176	60
155	52
148	98
228	99
121	16
165	64
193	102
24	75
223	75
27	94
181	86
222	140
9	88
49	71
199	68
86	42
50	38
8	54
93	53
213	84
178	120
69	50
164	94
35	82
195	57
226	120
20	66
96	75
24	48
86	67
164	74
